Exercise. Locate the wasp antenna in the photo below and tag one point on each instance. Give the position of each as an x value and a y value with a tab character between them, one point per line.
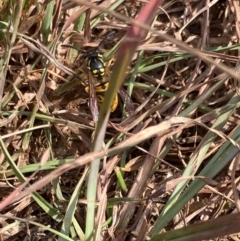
105	38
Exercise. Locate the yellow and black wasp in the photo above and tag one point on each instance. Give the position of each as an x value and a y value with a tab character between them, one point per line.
98	79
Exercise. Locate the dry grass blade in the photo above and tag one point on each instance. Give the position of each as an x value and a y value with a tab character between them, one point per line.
160	129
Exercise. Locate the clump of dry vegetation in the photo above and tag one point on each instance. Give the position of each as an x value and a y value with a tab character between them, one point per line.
163	164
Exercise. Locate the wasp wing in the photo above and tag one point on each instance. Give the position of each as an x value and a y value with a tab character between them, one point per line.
92	98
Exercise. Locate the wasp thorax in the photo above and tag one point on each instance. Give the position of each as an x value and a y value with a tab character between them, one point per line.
95	64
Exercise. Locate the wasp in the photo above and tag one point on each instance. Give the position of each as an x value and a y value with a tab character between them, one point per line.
98	79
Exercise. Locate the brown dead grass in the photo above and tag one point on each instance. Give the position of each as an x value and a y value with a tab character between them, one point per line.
219	28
